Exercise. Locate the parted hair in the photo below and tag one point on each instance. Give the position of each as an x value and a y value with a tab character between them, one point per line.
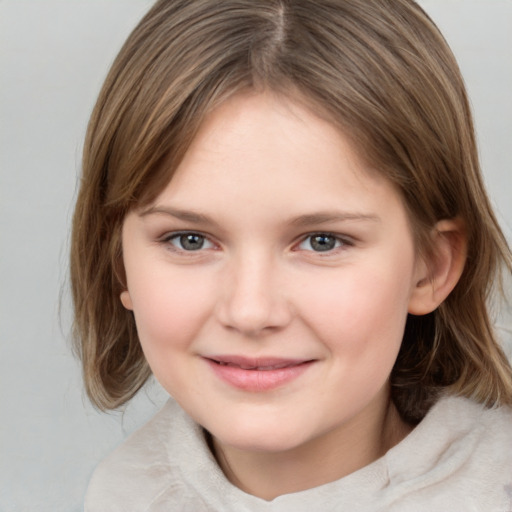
380	71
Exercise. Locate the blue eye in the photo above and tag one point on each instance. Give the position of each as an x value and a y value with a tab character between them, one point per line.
321	242
189	241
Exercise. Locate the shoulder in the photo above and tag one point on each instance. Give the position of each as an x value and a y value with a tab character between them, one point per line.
165	465
143	468
459	456
482	430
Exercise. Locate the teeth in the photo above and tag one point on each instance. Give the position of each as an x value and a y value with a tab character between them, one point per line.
253	368
258	368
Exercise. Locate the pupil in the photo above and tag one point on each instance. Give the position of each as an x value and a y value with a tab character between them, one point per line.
191	242
322	242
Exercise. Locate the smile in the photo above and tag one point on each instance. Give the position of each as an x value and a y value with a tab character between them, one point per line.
257	375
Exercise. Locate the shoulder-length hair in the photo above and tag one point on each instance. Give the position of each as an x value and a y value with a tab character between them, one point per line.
380	71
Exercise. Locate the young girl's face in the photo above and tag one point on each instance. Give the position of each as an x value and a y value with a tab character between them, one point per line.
271	279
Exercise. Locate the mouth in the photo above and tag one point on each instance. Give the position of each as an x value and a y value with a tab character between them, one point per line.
260	364
257	374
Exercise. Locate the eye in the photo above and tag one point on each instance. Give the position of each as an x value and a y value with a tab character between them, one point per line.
188	241
321	242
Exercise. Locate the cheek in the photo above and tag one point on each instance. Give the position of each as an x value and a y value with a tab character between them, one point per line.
169	318
168	310
362	312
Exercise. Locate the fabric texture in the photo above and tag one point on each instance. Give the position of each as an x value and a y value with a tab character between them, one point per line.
458	459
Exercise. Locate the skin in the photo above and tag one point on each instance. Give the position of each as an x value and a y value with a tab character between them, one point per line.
263	175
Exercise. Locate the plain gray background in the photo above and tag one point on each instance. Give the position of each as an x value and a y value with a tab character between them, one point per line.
54	55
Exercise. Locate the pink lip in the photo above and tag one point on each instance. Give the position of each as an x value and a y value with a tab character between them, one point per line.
257	374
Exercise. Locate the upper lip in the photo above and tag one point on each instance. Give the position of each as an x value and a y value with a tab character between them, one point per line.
256	363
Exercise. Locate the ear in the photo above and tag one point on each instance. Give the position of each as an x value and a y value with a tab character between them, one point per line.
436	277
126	300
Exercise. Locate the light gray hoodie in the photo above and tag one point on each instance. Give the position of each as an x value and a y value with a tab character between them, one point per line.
458	459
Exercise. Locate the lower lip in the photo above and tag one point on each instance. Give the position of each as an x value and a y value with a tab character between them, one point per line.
258	380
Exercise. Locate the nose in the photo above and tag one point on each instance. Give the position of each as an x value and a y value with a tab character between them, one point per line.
253	299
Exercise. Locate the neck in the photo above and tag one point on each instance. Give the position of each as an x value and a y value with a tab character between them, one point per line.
325	459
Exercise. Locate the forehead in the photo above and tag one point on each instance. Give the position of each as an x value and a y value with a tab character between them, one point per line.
270	150
265	120
251	127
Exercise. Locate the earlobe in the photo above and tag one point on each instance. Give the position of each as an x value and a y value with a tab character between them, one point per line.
438	276
126	300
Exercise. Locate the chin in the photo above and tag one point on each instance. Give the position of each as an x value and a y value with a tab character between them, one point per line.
250	436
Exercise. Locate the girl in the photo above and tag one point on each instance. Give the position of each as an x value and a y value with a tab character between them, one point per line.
282	217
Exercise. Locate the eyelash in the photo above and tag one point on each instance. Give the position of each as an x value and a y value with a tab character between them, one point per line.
170	237
341	242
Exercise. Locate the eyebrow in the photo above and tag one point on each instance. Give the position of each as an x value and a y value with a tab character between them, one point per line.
186	215
332	216
300	221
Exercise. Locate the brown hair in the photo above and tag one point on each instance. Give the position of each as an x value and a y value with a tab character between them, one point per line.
382	72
